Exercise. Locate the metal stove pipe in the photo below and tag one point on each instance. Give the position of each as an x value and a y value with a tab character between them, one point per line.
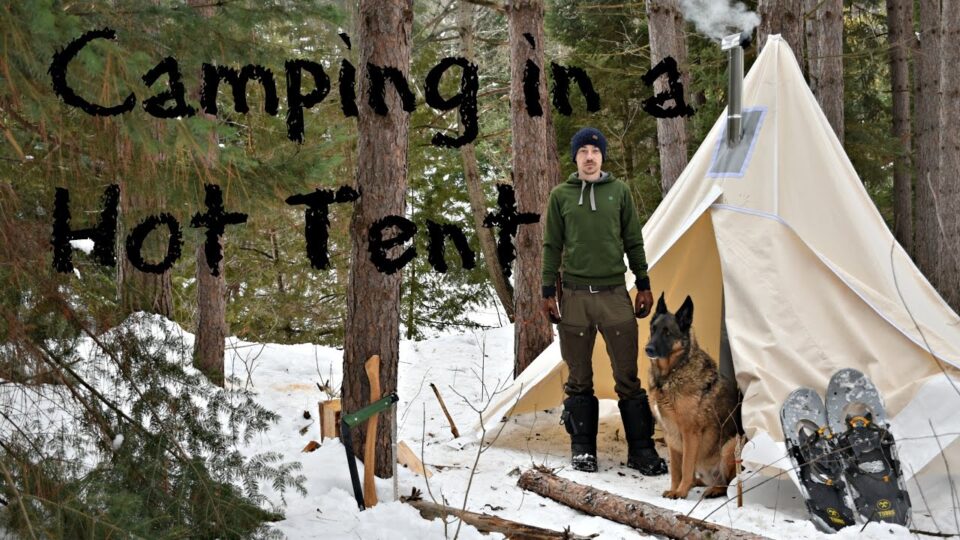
734	45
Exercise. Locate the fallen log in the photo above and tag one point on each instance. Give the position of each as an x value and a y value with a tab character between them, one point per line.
487	523
646	517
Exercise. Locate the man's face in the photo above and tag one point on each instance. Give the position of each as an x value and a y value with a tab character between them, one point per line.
589	160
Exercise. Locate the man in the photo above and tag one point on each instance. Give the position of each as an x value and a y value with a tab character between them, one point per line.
591	221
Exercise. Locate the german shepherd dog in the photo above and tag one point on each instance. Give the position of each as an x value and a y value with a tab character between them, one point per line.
695	406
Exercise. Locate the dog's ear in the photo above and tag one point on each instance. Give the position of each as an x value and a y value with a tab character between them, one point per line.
685	315
661	306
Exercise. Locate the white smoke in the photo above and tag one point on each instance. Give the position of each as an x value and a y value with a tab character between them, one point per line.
717	18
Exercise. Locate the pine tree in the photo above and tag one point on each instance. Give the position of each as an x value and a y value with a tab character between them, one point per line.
148	485
949	167
901	40
927	234
373	296
533	171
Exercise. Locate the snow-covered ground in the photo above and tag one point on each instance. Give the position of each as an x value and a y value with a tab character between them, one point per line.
467	367
285	377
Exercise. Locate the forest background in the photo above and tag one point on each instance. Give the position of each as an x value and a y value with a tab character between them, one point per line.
902	84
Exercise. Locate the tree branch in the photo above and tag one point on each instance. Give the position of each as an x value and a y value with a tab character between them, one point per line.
487	4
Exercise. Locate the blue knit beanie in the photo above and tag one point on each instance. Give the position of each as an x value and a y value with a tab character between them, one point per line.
588	135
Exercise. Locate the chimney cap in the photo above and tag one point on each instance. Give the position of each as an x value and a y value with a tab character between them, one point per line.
742	39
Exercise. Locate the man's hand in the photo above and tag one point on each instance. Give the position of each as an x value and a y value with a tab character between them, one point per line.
642	304
549	308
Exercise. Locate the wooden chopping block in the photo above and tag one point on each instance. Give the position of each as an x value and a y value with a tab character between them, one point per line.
330	419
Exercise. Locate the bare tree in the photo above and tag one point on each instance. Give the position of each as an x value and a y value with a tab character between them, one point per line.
950	152
471	173
667	38
927	129
532	170
373	298
901	39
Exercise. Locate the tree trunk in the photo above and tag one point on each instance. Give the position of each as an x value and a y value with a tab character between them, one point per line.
488	244
927	123
811	41
212	326
211	319
553	177
630	158
901	38
950	152
639	515
142	291
471	173
830	64
531	169
277	267
373	298
665	23
784	17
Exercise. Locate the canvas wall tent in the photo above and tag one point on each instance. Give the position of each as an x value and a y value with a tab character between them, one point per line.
813	280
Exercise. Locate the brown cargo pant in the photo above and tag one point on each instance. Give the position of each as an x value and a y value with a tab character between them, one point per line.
581	313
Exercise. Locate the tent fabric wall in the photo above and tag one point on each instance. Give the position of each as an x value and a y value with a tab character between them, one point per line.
813	279
792	322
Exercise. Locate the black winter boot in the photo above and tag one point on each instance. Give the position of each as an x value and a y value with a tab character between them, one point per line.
638	430
580	417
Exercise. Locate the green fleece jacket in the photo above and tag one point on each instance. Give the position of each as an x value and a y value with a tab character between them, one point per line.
592	224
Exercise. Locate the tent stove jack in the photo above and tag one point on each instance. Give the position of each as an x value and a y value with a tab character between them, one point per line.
348	421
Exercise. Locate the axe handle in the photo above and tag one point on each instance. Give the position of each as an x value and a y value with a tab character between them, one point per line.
372	367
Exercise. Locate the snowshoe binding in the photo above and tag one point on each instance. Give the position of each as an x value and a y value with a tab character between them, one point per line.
872	470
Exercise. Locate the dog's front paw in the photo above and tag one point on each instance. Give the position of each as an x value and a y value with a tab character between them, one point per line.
675	494
715	491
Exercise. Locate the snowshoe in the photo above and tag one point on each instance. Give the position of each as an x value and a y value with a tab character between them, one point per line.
813	452
856	414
